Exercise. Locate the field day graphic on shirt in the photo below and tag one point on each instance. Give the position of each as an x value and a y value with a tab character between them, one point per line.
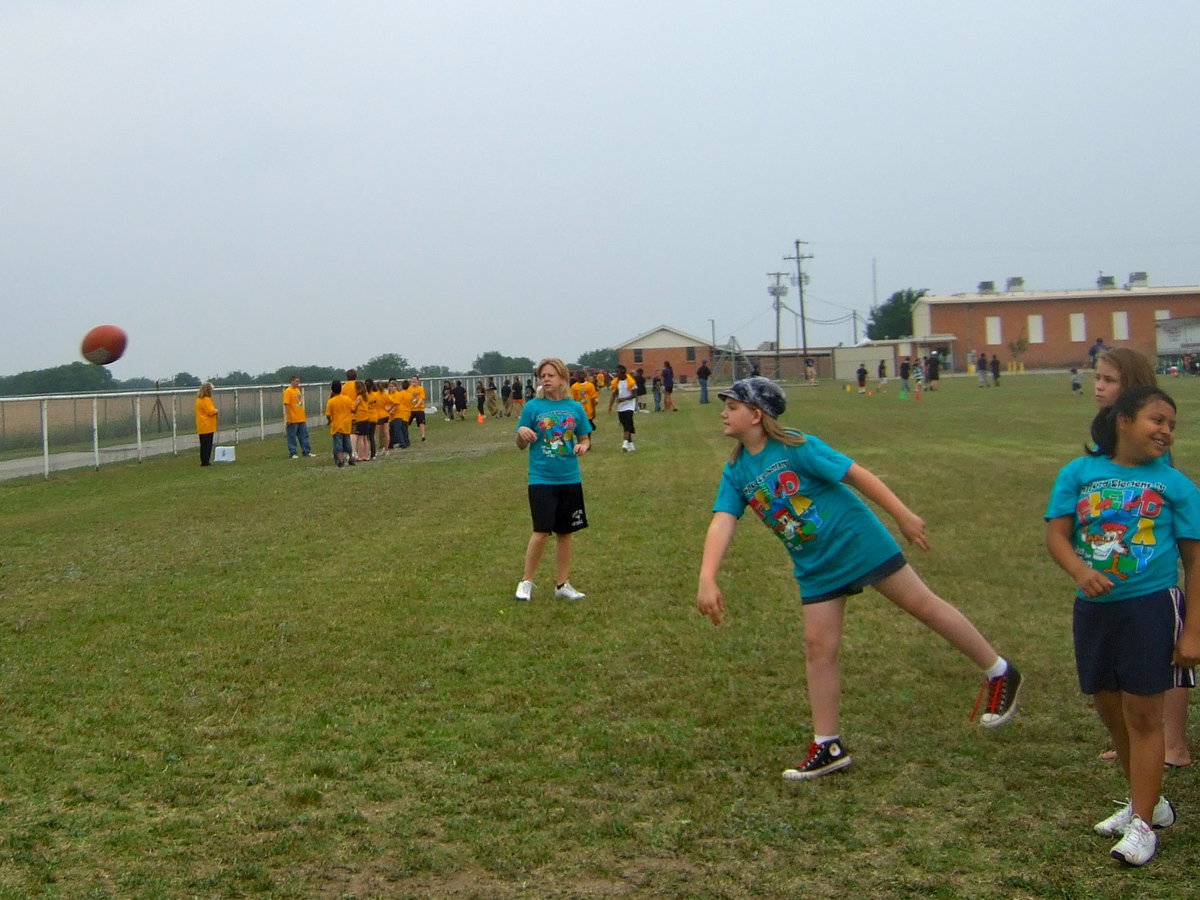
1117	527
557	428
778	503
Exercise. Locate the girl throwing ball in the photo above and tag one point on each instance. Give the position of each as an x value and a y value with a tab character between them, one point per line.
801	489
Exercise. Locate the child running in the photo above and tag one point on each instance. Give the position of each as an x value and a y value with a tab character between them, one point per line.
1119	521
555	429
800	488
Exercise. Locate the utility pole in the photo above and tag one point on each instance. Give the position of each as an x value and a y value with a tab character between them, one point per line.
778	291
799	258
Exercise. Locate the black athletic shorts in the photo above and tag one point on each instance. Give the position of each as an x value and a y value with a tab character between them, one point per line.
557	508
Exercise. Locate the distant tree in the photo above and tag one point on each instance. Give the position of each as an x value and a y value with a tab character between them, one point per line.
308	375
893	318
137	384
434	371
1018	347
496	363
386	365
76	377
599	359
185	379
233	379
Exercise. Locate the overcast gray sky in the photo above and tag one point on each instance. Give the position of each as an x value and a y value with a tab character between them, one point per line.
246	185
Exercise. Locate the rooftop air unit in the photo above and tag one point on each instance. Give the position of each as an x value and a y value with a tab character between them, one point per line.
1016	283
1139	279
1106	282
987	287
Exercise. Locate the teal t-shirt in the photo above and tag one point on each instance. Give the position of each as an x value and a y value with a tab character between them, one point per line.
832	535
558	424
1126	520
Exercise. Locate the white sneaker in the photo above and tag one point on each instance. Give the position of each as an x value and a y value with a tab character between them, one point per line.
1138	846
566	592
624	446
525	590
631	448
1118	822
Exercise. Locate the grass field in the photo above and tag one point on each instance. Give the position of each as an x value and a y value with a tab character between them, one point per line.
280	679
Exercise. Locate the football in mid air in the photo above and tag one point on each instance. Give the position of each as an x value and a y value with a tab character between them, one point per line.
104	344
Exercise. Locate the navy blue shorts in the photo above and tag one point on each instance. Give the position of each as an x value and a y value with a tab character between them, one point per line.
1126	645
889	566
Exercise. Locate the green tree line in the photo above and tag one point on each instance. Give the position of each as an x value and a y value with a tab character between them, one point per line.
84	378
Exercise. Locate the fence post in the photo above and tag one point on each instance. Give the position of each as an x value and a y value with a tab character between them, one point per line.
96	432
45	439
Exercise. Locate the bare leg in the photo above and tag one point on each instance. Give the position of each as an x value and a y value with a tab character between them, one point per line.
1108	708
1175	716
1143	723
906	589
562	559
533	553
822	641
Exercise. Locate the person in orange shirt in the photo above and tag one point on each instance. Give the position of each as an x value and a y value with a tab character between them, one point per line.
418	403
362	420
379	417
339	413
584	393
401	412
296	419
206	421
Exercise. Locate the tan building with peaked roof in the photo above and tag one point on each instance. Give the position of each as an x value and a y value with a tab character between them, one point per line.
649	350
1052	329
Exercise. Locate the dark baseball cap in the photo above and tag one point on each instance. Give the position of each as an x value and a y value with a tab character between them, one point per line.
760	392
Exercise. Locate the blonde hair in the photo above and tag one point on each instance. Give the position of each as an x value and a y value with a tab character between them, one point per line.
555	363
205	390
789	437
1135	370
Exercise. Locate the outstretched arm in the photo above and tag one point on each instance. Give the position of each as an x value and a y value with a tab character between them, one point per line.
872	487
709	599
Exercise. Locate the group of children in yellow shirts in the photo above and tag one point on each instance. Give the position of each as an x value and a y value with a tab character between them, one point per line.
367	418
377	415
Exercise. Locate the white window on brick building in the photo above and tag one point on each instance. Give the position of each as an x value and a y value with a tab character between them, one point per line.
1078	324
1120	329
1161	315
992	326
1037	332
